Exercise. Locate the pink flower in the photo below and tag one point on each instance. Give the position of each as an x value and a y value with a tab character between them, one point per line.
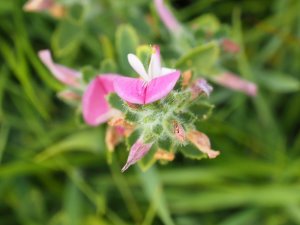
166	16
95	108
154	85
55	9
64	74
38	5
234	82
230	46
137	151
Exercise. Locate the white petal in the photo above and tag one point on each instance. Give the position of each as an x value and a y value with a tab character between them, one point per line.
138	66
154	69
165	71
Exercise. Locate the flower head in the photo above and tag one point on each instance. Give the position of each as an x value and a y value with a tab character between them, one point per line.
155	84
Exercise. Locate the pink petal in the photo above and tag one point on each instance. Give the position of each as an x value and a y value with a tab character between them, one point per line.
201	86
63	74
38	5
69	95
132	90
137	151
137	91
166	16
230	46
160	87
95	108
234	82
154	69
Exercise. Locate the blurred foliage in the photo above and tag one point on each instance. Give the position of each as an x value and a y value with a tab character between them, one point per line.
54	170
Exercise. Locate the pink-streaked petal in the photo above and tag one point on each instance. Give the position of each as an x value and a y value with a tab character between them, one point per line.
166	16
138	66
165	71
154	69
69	95
132	90
38	5
107	81
63	74
234	82
160	87
230	46
137	151
95	108
203	86
137	91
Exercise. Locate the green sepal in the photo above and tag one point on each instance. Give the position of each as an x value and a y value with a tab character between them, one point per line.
148	160
108	66
201	110
165	144
115	102
130	116
67	38
190	151
88	73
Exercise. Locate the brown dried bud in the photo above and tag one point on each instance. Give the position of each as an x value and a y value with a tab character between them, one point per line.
164	155
186	78
201	141
178	131
113	137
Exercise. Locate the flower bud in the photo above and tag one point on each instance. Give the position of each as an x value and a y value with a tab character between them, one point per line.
69	96
230	46
164	155
201	141
201	86
186	78
178	131
137	151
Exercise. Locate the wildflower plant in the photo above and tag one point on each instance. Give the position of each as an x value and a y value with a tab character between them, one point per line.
155	110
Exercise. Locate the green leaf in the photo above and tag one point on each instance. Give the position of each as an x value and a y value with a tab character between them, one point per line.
277	81
207	22
190	151
66	39
154	191
88	73
108	66
107	47
144	53
126	42
115	101
201	58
